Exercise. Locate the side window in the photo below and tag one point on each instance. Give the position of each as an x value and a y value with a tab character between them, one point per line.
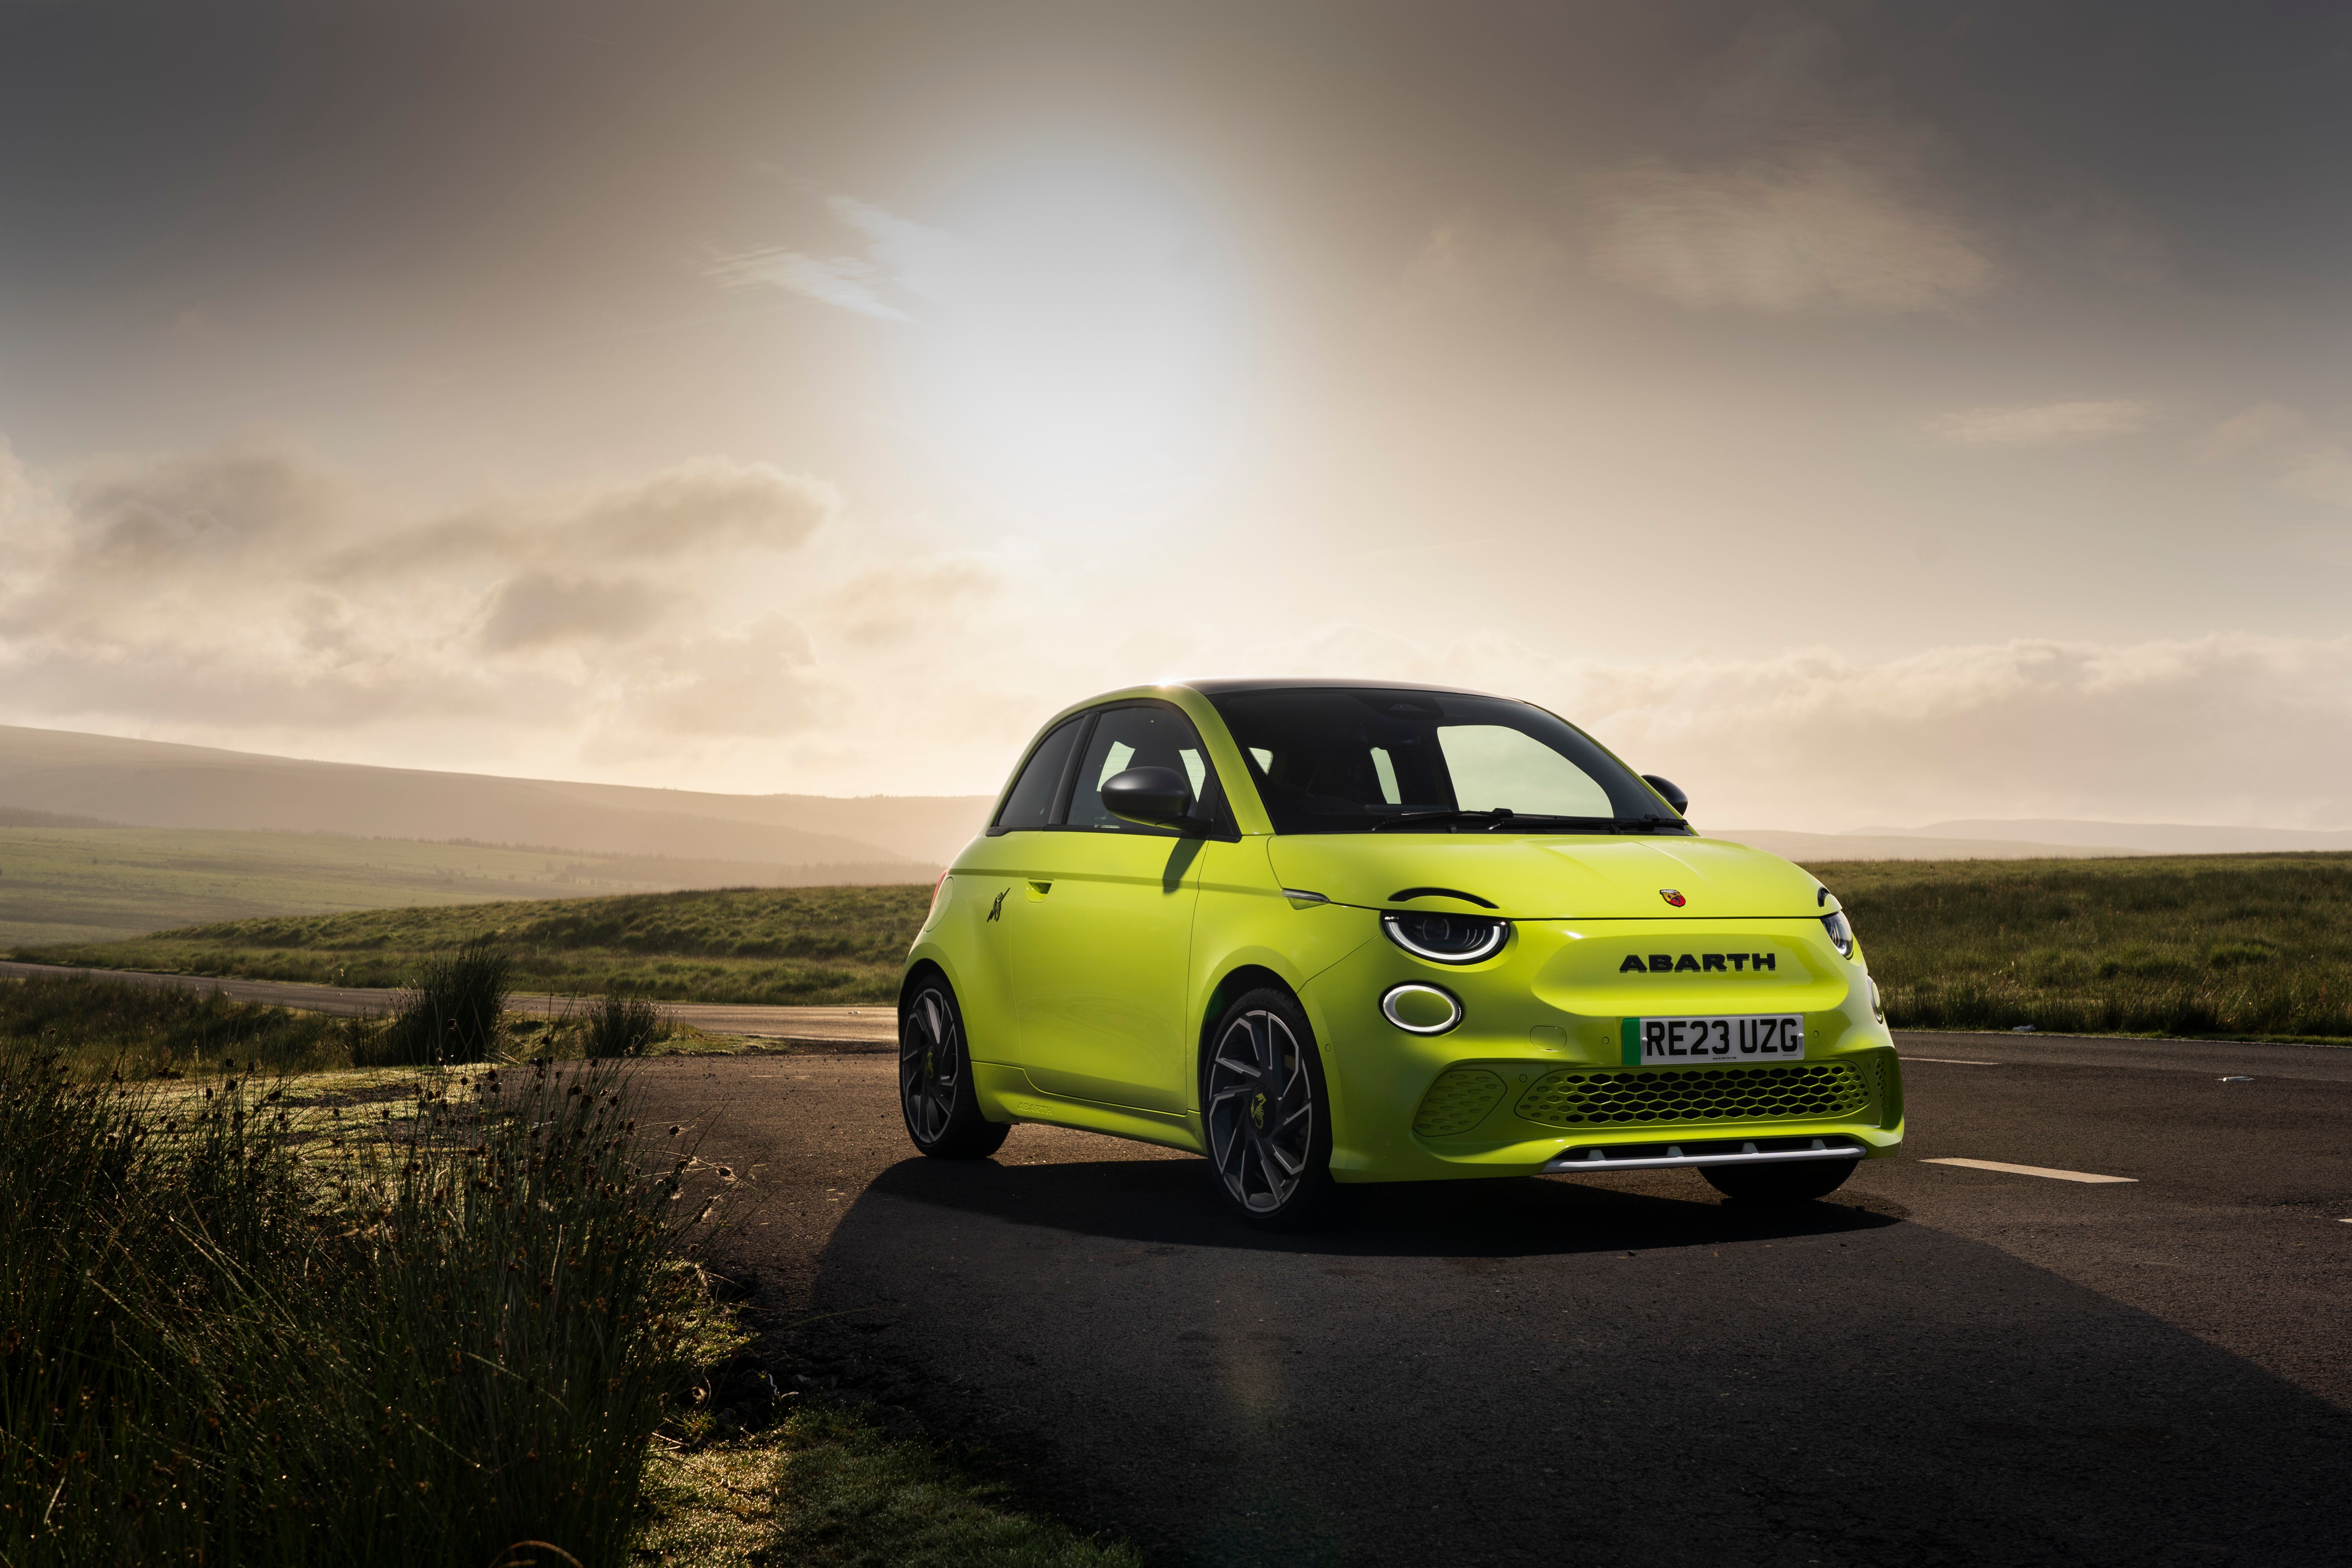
1136	737
1031	802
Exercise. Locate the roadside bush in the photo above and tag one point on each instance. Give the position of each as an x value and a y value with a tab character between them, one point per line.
446	1334
621	1025
451	1011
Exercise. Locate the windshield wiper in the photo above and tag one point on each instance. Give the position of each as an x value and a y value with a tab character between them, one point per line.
1505	818
1496	817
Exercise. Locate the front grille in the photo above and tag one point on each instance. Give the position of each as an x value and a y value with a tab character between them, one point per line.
1811	1090
1457	1101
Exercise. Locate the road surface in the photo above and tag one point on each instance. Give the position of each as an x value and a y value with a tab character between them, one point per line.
1943	1364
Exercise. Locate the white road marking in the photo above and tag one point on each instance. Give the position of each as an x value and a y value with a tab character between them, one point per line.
2029	1171
1954	1062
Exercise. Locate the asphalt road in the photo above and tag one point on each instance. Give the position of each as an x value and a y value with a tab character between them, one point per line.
1942	1364
844	1028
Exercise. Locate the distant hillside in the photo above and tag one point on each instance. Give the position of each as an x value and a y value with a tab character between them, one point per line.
1820	848
104	884
152	783
2142	837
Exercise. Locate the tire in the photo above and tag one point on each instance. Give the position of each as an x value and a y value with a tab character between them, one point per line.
1269	1115
1780	1184
935	1089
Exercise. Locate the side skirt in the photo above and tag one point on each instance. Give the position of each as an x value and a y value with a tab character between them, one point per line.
1007	1095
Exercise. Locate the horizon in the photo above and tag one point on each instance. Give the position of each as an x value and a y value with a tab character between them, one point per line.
1858	417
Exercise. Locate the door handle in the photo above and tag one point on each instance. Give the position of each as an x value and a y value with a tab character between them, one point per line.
1037	890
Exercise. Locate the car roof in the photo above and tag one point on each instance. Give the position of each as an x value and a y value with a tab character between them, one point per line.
1312	683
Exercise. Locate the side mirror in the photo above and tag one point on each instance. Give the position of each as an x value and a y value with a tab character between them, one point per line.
1671	791
1154	797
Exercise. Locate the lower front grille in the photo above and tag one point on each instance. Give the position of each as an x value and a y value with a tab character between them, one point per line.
1785	1091
1457	1101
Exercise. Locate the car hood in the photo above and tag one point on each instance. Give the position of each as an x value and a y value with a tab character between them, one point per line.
1546	877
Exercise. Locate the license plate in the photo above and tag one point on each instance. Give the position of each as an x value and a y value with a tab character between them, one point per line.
1713	1042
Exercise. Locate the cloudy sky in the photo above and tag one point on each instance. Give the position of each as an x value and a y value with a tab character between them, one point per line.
1862	415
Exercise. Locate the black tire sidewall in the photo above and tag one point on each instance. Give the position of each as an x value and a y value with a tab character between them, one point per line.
968	1134
1312	1200
1793	1182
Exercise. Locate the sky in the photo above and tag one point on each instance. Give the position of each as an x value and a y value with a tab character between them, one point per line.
1862	415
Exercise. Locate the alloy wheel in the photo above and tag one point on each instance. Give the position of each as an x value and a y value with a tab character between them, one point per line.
1261	1105
930	1066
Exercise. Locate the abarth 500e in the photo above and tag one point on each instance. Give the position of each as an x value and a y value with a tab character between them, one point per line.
1327	932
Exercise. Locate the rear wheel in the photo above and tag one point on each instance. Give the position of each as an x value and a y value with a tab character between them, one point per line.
935	1087
1782	1181
1269	1120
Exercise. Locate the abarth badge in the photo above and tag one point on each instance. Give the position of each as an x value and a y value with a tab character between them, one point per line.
1671	897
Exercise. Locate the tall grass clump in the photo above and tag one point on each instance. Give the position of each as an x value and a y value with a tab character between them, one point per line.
103	1026
618	1024
422	1335
450	1011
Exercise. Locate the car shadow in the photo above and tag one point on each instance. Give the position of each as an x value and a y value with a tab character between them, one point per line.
1171	1202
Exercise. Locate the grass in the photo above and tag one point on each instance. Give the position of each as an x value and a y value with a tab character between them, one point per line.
236	1334
98	1027
106	884
2243	945
794	945
820	1488
375	1316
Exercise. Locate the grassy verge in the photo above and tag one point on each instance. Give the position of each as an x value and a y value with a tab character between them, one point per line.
2214	944
800	945
234	1333
820	1488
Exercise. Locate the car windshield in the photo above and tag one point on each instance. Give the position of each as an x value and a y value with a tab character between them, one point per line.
1353	760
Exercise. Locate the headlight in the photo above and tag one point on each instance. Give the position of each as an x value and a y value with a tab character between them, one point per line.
1443	938
1841	934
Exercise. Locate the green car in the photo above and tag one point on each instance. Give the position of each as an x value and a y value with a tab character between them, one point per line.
1329	933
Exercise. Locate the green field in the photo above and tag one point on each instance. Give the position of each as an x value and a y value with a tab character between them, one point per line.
2201	944
104	884
798	945
2217	944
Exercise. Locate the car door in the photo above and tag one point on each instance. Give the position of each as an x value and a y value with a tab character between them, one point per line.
996	898
1109	928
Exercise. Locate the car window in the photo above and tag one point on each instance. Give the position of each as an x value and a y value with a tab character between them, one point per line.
1493	766
1346	760
1030	802
1127	738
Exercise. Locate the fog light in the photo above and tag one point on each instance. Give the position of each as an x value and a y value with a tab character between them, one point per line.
1420	1009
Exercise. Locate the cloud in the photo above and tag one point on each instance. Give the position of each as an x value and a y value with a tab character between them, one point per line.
1828	227
2037	423
1821	195
688	512
1464	255
888	602
901	254
247	586
535	608
2300	457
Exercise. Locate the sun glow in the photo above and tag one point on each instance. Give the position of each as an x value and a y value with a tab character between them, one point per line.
1078	355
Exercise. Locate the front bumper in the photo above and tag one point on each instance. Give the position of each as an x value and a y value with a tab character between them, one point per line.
1532	1081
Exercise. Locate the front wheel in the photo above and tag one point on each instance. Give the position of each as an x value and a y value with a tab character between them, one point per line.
1269	1120
935	1087
1780	1183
